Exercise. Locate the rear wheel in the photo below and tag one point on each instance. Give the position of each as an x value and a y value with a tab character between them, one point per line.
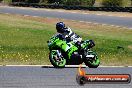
92	61
58	61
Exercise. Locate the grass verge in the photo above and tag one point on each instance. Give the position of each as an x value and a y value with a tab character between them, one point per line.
23	40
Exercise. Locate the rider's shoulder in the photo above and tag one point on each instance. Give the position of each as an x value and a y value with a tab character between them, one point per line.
55	35
58	34
68	28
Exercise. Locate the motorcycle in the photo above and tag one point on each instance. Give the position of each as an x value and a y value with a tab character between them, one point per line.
63	53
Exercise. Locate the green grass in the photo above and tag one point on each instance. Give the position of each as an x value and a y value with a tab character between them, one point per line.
126	3
107	40
7	1
24	41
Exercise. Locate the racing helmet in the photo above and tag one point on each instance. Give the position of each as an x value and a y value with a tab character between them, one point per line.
60	27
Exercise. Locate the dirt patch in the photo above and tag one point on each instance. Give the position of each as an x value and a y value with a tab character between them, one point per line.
117	14
75	25
70	23
130	47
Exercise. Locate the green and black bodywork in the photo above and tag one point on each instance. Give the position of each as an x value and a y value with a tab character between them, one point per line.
61	53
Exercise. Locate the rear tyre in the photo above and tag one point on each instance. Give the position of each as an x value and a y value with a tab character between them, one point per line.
92	62
56	61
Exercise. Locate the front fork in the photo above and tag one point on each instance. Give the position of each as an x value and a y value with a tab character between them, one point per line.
58	53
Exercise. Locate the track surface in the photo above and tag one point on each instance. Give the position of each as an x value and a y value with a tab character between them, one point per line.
38	77
112	20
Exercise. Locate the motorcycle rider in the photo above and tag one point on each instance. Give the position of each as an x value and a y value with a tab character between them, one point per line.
67	34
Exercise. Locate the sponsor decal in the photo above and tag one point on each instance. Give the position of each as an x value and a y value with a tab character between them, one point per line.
83	78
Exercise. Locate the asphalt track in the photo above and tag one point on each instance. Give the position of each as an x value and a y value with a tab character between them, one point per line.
102	19
38	77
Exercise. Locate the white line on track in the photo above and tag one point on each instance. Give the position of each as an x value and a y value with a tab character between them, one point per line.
103	24
72	12
99	14
6	13
60	11
26	15
85	22
81	21
35	16
85	13
69	66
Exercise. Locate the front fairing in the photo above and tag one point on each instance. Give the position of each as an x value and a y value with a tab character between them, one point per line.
52	41
56	42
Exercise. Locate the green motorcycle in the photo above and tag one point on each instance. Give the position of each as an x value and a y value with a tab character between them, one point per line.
63	53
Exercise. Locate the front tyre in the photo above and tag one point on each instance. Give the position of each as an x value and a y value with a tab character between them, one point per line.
58	61
92	62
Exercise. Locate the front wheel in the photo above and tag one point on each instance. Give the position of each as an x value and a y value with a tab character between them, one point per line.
56	59
92	60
